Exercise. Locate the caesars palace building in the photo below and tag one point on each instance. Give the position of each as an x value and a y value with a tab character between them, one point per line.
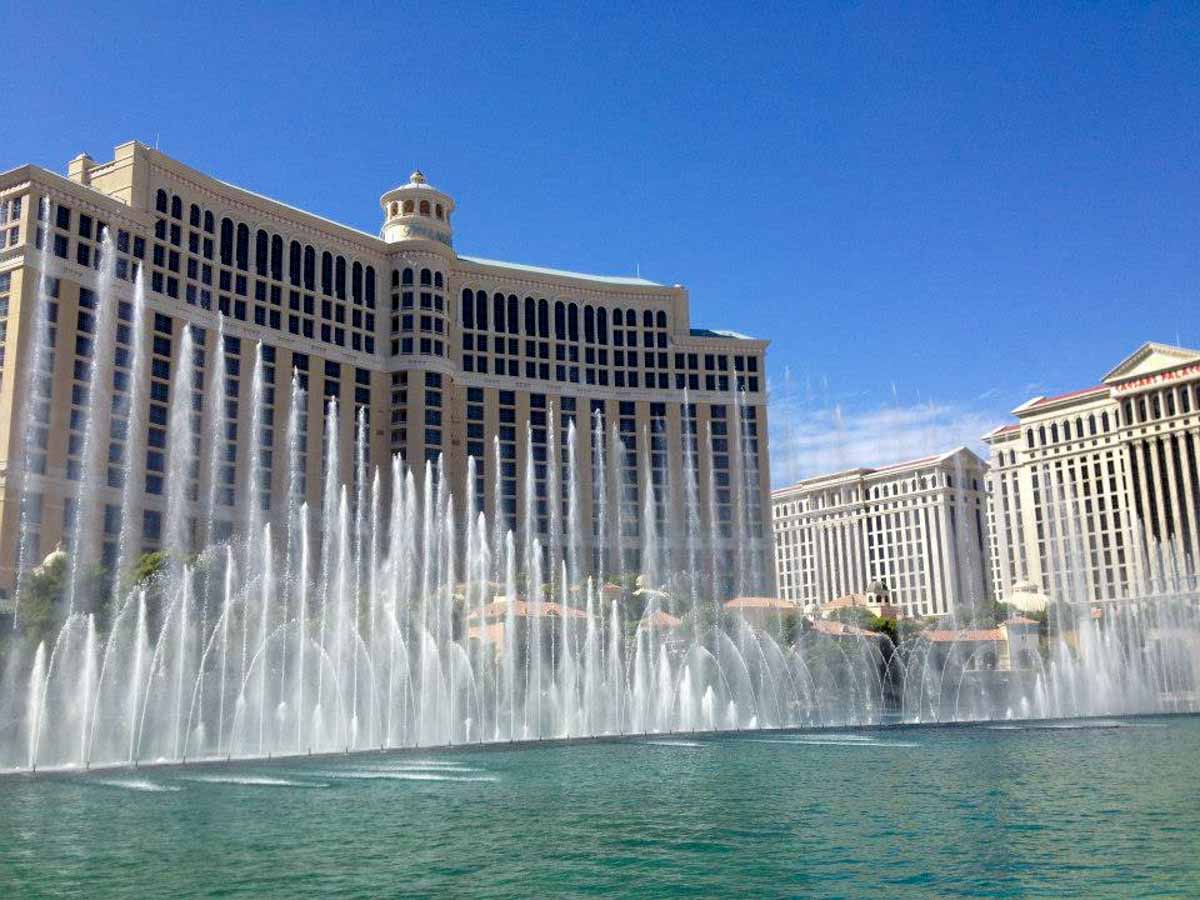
915	531
451	356
1095	494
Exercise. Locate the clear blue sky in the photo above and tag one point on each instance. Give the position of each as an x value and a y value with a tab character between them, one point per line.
939	209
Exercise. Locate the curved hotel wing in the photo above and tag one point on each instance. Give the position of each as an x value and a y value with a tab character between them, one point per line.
914	531
447	356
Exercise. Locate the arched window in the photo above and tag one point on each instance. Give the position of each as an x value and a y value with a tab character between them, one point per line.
437	280
424	207
1042	435
1128	406
560	321
662	319
426	278
356	273
1054	432
572	322
647	319
339	278
294	262
194	216
327	273
514	314
176	207
1092	424
630	319
277	257
1079	427
589	324
262	251
530	317
310	268
226	242
243	247
498	312
394	208
160	201
1029	438
1104	422
481	310
208	221
370	279
408	207
602	325
468	308
438	211
543	318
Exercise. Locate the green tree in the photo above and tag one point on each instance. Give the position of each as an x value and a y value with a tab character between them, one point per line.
884	625
41	605
147	567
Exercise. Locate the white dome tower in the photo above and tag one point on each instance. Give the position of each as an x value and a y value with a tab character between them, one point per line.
417	211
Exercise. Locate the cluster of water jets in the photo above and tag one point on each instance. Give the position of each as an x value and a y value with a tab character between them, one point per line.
395	613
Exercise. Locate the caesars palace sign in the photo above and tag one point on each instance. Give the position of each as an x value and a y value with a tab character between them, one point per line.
1159	378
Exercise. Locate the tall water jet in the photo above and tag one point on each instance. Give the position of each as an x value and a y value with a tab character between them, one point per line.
88	469
134	457
35	415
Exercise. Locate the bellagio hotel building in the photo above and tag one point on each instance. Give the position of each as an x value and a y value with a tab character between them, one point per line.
447	354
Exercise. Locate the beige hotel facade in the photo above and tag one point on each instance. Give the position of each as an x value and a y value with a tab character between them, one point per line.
919	527
1095	493
452	356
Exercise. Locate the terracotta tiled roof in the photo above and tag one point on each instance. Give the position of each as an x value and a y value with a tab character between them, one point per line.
660	619
968	635
498	609
1019	620
1069	394
838	629
760	603
845	601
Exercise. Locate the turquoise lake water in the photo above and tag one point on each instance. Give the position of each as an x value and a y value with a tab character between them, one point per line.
1107	809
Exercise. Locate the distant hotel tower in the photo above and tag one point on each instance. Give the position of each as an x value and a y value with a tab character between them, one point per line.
451	356
1095	493
918	527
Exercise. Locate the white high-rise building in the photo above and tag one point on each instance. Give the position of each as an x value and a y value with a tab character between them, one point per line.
1095	492
919	527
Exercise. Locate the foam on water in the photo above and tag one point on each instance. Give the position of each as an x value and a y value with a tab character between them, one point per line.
139	784
830	742
453	770
255	781
394	775
683	744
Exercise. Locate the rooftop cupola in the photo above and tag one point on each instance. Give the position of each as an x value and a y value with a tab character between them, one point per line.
417	211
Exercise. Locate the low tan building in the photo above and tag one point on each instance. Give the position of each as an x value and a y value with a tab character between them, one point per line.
762	611
877	600
1010	646
490	624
